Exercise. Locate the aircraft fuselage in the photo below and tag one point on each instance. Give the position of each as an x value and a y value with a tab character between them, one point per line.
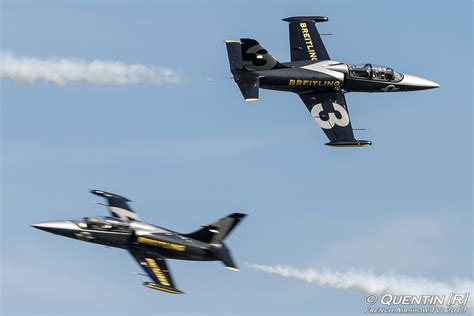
138	235
331	75
148	244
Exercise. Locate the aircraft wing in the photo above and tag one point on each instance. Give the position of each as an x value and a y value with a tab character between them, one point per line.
155	266
305	40
329	110
117	205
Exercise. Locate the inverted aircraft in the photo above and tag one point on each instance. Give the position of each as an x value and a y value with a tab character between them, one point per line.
148	244
320	81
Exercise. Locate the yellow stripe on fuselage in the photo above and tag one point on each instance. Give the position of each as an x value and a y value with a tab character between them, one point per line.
162	244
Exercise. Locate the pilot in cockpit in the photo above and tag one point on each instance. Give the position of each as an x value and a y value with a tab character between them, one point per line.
389	75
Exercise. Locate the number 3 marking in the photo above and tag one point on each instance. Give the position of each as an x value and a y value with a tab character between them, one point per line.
332	119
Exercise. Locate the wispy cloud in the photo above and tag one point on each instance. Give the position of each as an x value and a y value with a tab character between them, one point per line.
369	282
63	71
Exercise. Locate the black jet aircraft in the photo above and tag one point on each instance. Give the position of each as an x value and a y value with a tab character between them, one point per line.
319	81
148	244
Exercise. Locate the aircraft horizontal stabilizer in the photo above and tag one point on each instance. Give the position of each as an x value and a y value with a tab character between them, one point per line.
248	85
223	254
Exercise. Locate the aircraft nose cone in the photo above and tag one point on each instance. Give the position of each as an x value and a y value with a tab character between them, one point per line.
56	226
419	83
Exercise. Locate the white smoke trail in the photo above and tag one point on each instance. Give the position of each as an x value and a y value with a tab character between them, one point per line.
64	71
371	283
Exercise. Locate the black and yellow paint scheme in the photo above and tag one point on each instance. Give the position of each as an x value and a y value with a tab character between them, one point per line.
148	244
320	82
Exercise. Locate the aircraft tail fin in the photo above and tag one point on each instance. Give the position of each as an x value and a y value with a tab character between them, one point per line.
241	68
234	53
217	231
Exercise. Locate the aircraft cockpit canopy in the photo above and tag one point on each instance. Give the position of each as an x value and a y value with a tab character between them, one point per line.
374	72
104	223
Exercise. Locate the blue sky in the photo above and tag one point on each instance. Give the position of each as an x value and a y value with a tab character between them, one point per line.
189	153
